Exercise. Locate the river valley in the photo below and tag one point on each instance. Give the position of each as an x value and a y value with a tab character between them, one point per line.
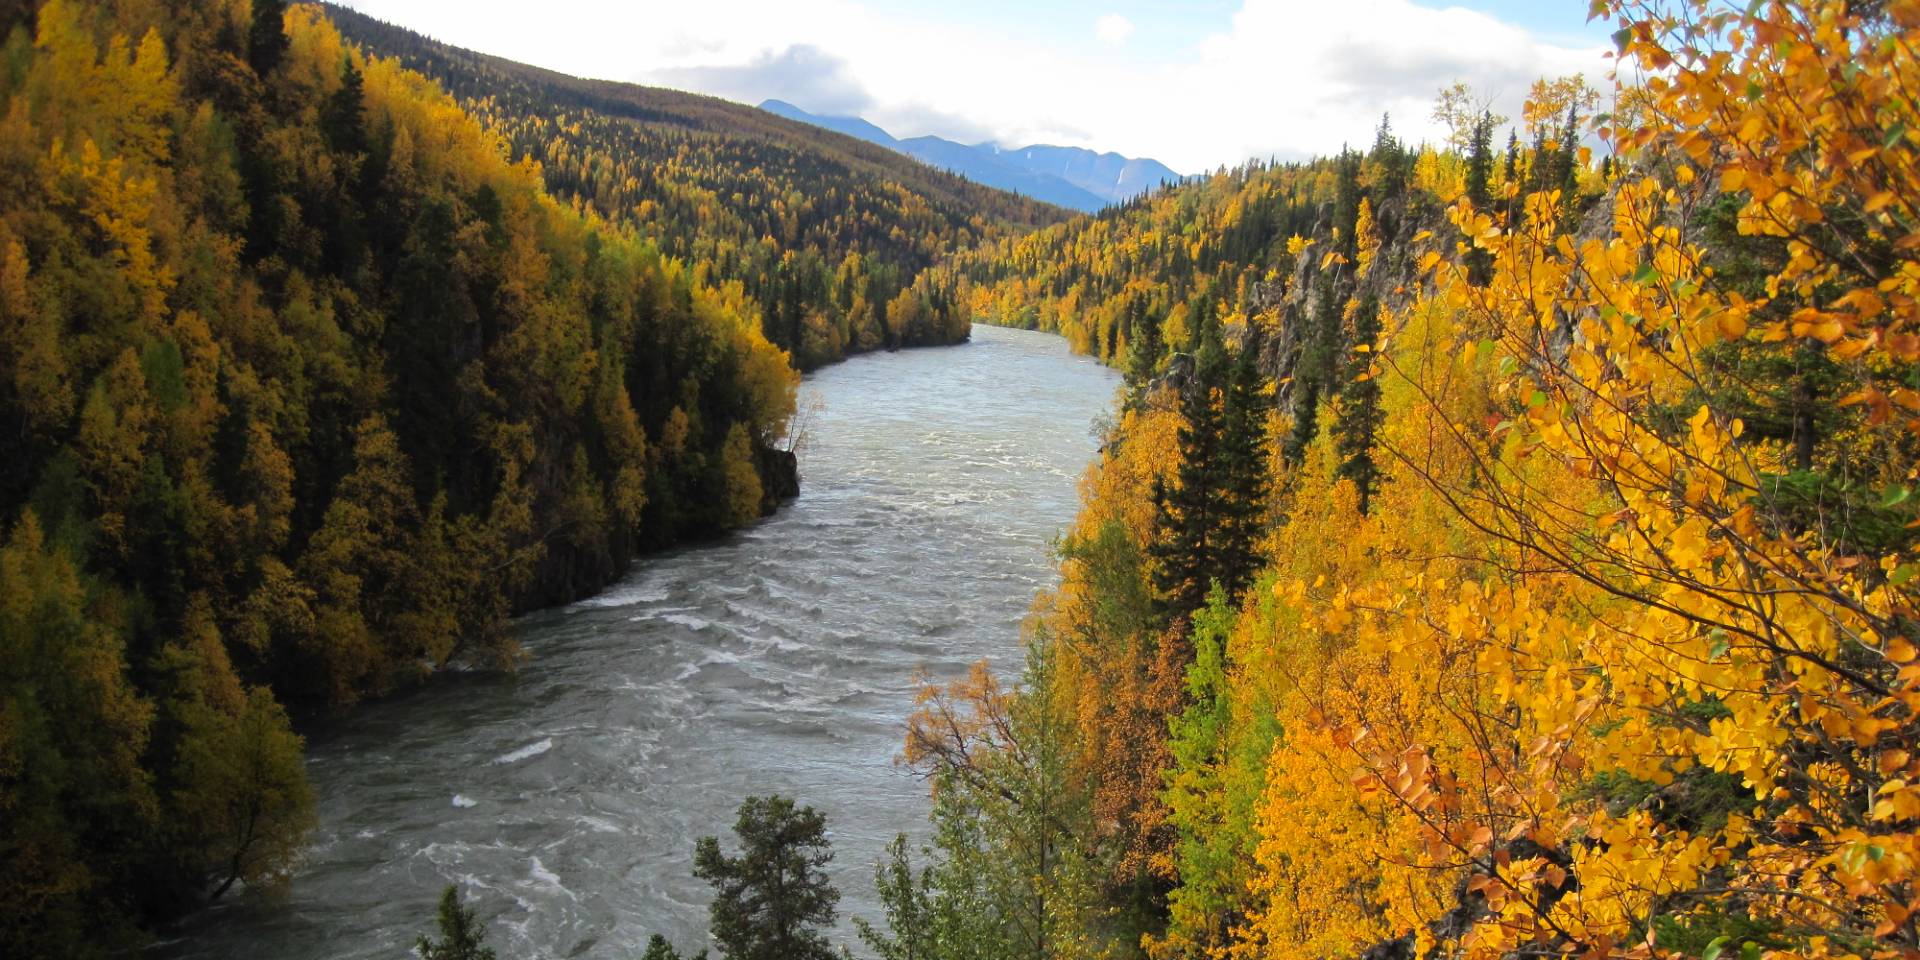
565	799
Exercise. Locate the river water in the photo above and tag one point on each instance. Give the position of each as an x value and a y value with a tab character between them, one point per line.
564	800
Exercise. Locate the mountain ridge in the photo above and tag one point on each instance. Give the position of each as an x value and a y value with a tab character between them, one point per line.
1073	177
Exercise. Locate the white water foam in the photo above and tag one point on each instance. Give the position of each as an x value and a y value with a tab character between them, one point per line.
530	750
691	623
463	801
539	872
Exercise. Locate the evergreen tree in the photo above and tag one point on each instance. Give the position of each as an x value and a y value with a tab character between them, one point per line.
342	116
771	901
1210	517
1243	451
1346	201
1313	371
1567	179
1391	161
1185	511
267	39
462	936
1360	414
659	949
1480	194
1143	348
1392	166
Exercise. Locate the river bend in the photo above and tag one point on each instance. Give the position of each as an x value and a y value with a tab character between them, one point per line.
565	799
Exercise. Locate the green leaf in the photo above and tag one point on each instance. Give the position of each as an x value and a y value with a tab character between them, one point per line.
1646	275
1749	951
1902	573
1895	135
1620	38
1483	350
1894	497
1714	949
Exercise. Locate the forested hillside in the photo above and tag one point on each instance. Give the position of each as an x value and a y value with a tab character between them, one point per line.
1499	553
305	388
833	239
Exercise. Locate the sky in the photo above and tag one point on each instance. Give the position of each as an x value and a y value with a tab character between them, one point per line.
1196	84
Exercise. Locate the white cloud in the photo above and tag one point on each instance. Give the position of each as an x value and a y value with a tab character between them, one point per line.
1113	29
1289	78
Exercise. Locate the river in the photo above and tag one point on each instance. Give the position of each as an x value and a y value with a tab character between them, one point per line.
564	799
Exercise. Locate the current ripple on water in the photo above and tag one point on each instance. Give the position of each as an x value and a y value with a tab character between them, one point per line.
565	799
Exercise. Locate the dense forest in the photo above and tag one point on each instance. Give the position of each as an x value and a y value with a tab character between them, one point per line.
1502	548
305	387
834	240
1505	547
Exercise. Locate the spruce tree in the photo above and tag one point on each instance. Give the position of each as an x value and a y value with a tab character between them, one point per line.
1185	511
1143	346
462	936
1567	169
1313	371
1244	473
1346	202
342	116
1391	162
1480	194
659	949
1210	519
267	39
1360	415
772	900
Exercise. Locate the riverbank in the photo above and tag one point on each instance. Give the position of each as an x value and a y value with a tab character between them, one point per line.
564	799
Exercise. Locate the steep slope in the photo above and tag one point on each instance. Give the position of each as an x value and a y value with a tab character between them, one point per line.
305	389
1492	557
830	238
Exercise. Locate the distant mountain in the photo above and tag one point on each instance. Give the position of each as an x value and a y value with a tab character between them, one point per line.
1067	176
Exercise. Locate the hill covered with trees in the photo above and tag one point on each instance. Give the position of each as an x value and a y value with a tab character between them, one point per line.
1500	553
305	387
834	240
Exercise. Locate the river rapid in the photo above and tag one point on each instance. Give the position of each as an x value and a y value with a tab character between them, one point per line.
564	799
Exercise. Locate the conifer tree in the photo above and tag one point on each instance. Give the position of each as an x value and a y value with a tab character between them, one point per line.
342	116
1211	518
771	901
462	936
1313	371
267	39
1346	200
1360	413
1143	349
1480	194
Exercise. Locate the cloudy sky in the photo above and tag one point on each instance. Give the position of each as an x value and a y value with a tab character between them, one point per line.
1193	83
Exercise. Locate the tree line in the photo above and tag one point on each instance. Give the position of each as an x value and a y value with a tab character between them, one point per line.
834	241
